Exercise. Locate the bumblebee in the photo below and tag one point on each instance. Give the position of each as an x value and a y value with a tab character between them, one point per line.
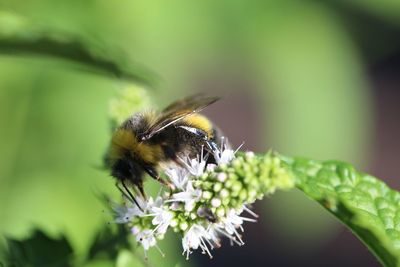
147	141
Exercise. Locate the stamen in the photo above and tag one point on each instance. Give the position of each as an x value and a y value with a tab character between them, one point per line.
239	147
239	237
232	238
222	143
205	247
175	200
209	243
248	219
185	163
250	211
148	215
155	229
159	250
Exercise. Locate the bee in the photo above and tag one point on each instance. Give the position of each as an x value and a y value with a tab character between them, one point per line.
147	141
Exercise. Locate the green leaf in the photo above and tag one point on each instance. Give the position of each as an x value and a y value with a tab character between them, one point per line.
362	202
126	259
19	36
39	250
107	243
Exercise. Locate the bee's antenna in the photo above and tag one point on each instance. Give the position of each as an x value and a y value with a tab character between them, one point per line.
129	195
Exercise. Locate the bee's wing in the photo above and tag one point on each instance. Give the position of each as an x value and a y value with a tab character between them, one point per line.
187	102
177	111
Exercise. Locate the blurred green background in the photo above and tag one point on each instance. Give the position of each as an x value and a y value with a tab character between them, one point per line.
311	78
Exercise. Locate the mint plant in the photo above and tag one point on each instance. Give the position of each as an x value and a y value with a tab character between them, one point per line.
208	202
213	201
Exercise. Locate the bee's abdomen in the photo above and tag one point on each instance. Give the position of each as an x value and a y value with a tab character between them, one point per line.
185	138
175	141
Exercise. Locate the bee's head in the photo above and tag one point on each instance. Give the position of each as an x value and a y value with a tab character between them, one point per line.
119	157
127	169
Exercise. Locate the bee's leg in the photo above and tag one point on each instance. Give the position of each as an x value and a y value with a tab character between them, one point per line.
179	162
153	173
127	193
141	190
170	154
212	146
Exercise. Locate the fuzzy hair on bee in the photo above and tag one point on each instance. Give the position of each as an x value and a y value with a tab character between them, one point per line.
149	140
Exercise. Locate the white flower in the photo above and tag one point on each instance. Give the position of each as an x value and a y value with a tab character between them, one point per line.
195	166
190	196
213	236
211	167
225	154
194	206
231	222
224	157
158	202
219	229
162	219
194	238
178	176
126	213
145	237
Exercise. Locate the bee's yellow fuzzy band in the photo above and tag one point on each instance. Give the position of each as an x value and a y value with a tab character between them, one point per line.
125	140
200	122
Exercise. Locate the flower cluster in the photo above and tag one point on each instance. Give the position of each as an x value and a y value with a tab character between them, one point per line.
208	201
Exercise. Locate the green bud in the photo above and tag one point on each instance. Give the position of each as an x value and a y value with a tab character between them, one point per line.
207	195
217	187
183	226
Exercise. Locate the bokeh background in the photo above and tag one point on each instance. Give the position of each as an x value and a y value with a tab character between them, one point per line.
319	79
